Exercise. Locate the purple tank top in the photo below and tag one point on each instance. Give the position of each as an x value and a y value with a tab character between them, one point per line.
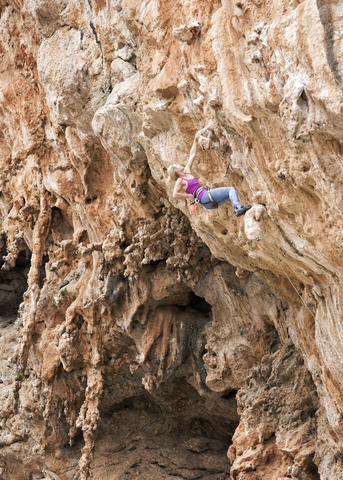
193	184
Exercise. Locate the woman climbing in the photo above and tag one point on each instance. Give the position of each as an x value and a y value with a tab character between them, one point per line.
187	187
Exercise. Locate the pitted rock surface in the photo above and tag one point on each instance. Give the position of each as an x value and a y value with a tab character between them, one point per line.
128	326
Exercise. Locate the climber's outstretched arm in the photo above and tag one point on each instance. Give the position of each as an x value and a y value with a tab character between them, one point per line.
192	154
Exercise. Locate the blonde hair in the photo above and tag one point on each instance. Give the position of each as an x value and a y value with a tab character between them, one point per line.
171	172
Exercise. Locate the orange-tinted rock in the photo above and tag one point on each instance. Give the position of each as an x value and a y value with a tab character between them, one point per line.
127	325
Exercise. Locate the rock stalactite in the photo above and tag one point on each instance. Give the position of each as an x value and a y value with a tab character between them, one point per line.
138	340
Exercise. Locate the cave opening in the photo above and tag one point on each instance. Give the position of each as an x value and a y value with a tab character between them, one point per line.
13	285
196	303
175	425
61	225
173	430
199	303
231	394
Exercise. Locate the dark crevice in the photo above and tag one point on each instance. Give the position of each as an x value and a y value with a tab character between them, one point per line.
155	262
77	442
199	303
158	215
133	61
125	245
230	395
91	24
42	276
325	16
313	469
141	402
23	260
196	303
228	128
291	244
275	342
13	285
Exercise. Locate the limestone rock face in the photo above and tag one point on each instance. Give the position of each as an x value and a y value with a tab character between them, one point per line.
138	340
186	33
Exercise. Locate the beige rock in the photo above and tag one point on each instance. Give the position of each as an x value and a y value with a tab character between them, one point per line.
129	326
117	126
122	69
188	33
252	221
63	70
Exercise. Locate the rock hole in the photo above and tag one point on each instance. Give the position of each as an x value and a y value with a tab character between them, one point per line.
42	276
23	259
303	105
13	285
155	262
90	199
306	167
230	395
77	442
60	226
303	96
224	232
199	303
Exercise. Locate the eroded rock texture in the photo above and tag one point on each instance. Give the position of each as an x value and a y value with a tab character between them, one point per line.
128	326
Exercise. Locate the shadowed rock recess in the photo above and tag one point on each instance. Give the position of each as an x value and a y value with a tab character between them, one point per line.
138	340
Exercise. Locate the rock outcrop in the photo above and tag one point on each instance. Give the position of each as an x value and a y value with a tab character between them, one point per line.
129	326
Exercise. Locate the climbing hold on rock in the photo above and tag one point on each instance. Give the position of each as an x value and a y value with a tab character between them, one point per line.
183	86
252	221
214	101
236	25
199	101
241	273
125	53
188	33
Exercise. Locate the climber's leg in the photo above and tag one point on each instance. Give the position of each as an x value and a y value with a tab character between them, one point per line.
221	196
224	194
205	202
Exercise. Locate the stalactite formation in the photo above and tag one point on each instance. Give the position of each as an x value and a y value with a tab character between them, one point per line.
138	340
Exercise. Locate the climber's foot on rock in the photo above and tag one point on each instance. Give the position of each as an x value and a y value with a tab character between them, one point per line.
241	210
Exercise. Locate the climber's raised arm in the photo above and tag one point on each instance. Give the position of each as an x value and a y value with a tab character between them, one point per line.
192	154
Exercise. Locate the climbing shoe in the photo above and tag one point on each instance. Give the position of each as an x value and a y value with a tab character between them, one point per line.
241	211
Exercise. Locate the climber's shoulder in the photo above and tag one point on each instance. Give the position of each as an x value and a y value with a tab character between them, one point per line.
180	184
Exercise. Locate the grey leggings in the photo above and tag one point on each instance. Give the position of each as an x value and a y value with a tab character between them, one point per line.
221	196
